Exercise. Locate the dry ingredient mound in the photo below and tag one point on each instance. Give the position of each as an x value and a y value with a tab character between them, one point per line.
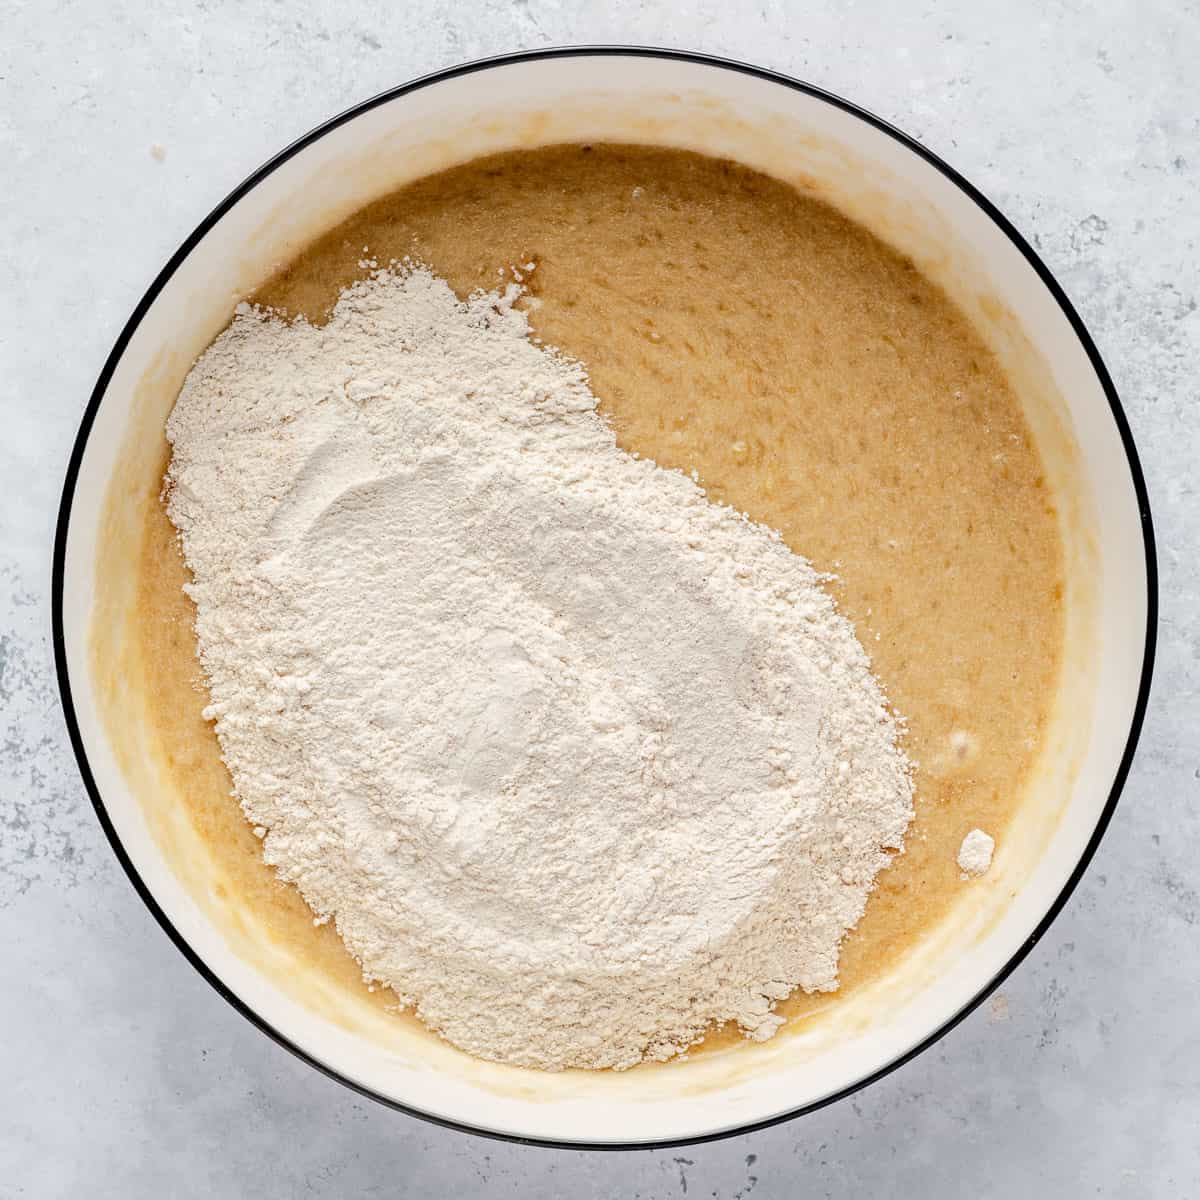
578	761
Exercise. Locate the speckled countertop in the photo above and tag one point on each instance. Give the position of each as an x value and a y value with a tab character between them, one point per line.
125	1075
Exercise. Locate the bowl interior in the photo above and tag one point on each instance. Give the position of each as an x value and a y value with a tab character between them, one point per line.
876	178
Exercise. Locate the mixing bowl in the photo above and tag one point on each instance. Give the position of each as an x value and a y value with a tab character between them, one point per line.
827	147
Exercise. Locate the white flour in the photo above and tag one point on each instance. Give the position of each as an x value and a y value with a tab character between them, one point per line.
975	853
578	761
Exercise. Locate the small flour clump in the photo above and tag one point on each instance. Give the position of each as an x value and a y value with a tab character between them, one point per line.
578	761
975	853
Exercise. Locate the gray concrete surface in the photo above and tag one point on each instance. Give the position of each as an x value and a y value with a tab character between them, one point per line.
123	1073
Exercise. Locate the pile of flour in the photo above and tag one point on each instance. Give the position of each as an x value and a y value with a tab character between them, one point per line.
578	761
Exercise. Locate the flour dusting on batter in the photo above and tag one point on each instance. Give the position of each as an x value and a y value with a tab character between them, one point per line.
579	762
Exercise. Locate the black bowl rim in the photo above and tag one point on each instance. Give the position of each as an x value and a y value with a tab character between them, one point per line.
602	51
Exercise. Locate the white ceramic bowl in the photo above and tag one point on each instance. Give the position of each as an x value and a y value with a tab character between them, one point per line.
910	198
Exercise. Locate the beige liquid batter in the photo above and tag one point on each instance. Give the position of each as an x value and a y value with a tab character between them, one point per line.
812	378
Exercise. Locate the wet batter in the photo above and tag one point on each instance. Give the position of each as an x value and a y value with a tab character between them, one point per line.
812	378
